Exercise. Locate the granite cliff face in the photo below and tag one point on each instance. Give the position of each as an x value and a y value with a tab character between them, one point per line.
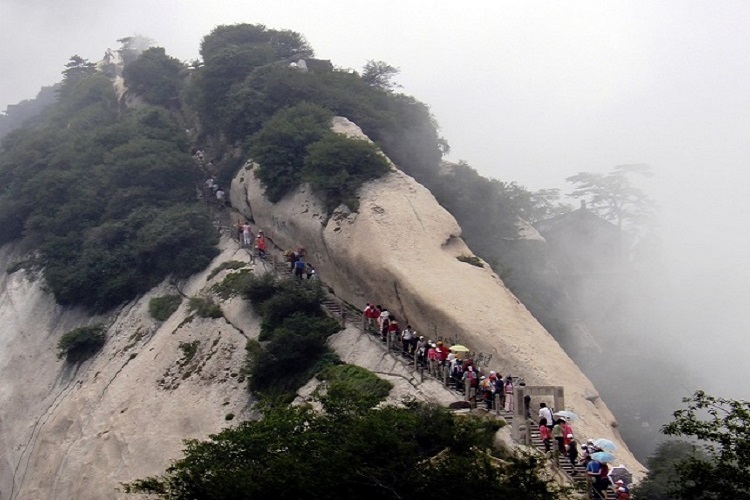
401	250
79	431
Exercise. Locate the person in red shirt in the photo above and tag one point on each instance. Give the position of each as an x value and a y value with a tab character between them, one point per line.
260	243
394	330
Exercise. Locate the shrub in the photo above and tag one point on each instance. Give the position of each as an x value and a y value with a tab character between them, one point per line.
471	259
189	349
352	386
260	288
81	343
161	308
336	166
205	308
230	264
232	284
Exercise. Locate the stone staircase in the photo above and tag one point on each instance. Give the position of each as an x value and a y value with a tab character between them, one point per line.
351	316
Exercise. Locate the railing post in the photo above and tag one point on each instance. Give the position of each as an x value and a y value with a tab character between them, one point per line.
467	387
446	372
497	404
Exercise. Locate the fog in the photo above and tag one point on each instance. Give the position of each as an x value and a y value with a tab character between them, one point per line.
530	92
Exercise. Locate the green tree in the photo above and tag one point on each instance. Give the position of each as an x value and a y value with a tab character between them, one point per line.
155	76
336	166
380	74
662	469
132	46
389	453
281	146
613	196
722	428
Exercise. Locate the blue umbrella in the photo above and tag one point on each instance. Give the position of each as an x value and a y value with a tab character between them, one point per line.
605	444
603	456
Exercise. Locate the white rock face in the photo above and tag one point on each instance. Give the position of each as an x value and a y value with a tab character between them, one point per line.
77	432
400	250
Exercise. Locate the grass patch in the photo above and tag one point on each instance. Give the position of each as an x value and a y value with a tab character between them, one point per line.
353	386
161	308
81	343
230	264
471	259
205	308
189	349
233	284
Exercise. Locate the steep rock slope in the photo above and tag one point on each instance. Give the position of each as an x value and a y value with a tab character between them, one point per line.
78	431
401	250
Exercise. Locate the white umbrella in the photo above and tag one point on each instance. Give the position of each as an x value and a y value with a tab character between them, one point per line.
567	414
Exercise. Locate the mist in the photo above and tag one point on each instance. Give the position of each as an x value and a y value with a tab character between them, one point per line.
531	93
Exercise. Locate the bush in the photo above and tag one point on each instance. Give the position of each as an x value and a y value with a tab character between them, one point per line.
161	308
471	259
79	344
205	308
353	386
232	284
189	350
258	289
230	264
336	166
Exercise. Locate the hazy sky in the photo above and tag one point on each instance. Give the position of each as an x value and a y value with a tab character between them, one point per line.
524	91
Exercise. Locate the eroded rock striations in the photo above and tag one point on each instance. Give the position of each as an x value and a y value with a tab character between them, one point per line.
78	431
401	250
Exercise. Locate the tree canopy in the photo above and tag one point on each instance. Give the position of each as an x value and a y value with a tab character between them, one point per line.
721	427
613	196
393	452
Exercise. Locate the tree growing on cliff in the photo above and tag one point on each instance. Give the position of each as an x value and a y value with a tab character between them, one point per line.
155	76
613	196
380	74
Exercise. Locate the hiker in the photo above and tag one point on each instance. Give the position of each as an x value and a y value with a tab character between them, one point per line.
220	197
422	345
260	243
432	358
508	391
394	330
407	336
292	257
310	271
559	436
544	434
547	414
384	324
572	448
371	315
471	376
238	227
299	269
382	317
247	234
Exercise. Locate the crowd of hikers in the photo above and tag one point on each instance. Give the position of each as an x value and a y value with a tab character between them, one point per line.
453	365
448	363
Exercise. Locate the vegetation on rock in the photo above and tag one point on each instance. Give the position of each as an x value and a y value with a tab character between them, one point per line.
161	308
295	328
81	343
296	452
205	307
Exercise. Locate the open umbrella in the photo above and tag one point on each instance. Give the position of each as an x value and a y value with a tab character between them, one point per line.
603	456
569	415
620	473
605	444
459	348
